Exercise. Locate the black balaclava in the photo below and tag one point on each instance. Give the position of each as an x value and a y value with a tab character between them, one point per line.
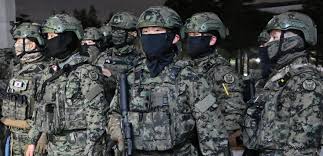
198	46
62	46
159	51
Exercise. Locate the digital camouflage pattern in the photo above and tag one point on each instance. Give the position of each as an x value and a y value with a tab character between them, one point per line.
124	20
291	119
206	22
29	30
24	82
170	111
116	60
295	21
123	55
160	16
93	34
7	61
72	111
227	86
123	26
60	23
106	30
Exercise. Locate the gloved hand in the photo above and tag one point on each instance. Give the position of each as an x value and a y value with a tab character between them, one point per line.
30	150
41	147
114	129
235	140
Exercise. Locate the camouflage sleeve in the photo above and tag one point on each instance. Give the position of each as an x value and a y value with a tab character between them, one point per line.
114	127
96	106
212	135
35	132
100	60
303	95
228	89
33	135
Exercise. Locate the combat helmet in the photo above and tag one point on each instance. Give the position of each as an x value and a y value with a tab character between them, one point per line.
124	20
106	30
295	21
159	16
29	30
206	22
60	23
92	33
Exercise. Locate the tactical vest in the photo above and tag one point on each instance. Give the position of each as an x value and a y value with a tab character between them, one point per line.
118	64
270	129
25	83
62	106
160	122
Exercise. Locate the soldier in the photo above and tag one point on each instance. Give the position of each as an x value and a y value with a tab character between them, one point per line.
203	32
92	44
169	104
123	55
71	106
285	118
19	101
106	30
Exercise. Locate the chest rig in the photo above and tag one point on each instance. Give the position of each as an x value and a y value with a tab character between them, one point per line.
23	84
62	107
119	63
160	121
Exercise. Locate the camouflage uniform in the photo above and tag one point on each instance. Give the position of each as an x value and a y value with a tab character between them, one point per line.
23	87
173	113
71	106
92	51
121	57
218	72
7	61
286	117
106	31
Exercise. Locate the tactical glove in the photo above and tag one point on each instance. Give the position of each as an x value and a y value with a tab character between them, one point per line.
114	129
41	146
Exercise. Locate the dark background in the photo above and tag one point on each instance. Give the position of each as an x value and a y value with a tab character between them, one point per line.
244	18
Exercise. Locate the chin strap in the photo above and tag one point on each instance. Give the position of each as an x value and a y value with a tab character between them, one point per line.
24	52
279	53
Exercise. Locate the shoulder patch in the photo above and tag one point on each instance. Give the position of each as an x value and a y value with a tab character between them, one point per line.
309	85
93	75
228	78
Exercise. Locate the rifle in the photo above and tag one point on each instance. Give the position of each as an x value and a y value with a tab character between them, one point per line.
126	125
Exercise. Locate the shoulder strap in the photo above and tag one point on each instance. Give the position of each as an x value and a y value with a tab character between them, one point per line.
65	70
38	68
302	68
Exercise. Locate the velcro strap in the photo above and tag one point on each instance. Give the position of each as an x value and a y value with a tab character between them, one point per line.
93	92
206	103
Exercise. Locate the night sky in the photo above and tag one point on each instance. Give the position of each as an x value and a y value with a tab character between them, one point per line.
41	9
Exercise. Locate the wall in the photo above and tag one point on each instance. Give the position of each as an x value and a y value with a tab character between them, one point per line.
7	14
